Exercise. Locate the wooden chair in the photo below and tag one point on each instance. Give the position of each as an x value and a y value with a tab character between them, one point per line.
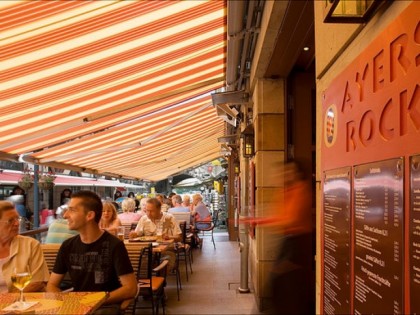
182	216
128	227
134	251
50	253
151	282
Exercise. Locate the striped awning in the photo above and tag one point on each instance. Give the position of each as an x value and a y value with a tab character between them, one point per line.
119	88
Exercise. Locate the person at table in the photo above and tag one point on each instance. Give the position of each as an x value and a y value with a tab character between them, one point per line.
109	220
156	220
128	206
131	195
94	259
19	251
143	203
178	207
186	201
200	212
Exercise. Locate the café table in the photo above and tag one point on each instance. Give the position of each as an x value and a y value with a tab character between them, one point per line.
55	302
158	247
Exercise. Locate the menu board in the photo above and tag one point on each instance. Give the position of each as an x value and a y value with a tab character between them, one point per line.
378	237
336	223
414	226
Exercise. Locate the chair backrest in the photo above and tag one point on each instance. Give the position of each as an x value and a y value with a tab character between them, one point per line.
215	217
182	216
128	227
135	251
50	252
144	270
183	227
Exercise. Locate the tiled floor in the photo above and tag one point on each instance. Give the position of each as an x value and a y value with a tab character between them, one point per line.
212	288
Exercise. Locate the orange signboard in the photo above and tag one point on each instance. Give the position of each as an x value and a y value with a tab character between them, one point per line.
371	111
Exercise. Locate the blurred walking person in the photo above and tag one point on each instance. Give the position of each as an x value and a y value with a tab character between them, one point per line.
289	224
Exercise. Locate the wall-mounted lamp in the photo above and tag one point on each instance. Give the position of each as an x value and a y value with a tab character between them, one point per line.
236	168
350	11
248	141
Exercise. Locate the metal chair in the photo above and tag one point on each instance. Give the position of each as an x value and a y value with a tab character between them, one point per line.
184	249
206	231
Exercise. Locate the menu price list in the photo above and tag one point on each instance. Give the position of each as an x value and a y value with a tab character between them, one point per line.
414	230
378	237
336	222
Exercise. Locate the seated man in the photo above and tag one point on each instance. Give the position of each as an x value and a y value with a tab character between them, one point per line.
156	222
94	259
179	211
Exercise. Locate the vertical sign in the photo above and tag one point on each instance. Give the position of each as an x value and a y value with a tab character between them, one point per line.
378	237
336	237
414	226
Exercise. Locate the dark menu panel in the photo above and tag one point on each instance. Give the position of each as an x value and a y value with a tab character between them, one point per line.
336	222
378	237
414	226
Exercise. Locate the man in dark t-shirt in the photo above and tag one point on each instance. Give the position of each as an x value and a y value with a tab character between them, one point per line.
95	266
94	259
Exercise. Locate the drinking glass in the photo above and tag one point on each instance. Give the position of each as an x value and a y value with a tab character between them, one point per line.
21	277
121	232
159	232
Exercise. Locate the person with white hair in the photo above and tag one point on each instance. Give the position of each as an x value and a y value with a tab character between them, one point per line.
143	203
200	212
128	215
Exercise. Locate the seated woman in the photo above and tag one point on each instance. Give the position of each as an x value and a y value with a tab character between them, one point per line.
109	220
201	213
18	251
128	216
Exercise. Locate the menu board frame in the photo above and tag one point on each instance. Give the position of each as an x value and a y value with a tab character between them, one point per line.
378	239
414	234
336	241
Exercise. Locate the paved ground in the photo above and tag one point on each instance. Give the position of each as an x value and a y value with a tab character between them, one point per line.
212	288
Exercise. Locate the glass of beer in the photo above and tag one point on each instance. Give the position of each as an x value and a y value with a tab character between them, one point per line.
21	277
121	232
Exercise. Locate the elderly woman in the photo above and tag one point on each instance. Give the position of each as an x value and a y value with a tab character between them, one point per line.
128	216
109	220
143	203
17	251
200	212
186	201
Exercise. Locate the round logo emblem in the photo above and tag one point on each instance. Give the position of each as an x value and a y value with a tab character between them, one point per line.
330	126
